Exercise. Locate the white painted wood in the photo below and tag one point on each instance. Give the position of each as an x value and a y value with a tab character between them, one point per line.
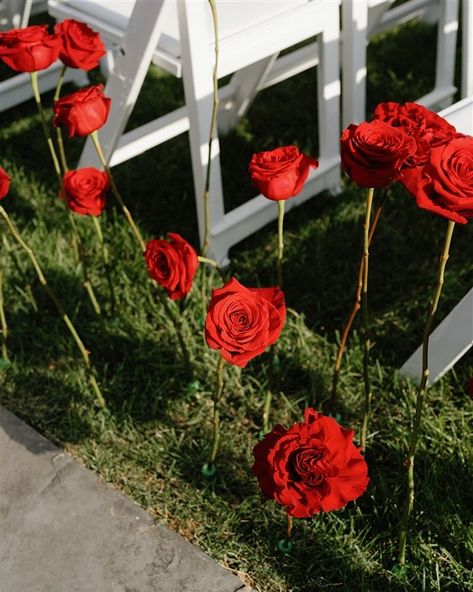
454	335
467	49
446	47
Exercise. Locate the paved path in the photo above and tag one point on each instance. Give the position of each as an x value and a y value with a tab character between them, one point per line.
62	529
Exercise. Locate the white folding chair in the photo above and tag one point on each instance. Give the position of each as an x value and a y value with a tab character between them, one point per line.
361	19
15	14
454	335
178	36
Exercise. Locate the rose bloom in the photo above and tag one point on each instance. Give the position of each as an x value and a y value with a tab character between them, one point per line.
82	112
445	184
4	183
172	263
311	467
427	127
242	322
29	49
85	190
81	46
281	173
373	152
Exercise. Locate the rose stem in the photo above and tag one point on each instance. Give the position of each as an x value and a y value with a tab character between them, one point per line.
106	260
82	258
356	306
409	500
76	241
59	138
364	311
60	308
213	126
177	323
16	263
216	416
125	210
285	545
3	321
47	135
280	242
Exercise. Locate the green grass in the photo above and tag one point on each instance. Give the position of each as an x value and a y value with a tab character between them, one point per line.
154	438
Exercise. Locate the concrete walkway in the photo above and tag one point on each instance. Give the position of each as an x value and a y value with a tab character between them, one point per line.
62	529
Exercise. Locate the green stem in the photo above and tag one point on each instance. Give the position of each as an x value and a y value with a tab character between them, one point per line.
3	321
59	138
409	501
267	409
216	415
125	210
47	134
178	327
364	310
60	308
106	259
280	241
213	126
356	306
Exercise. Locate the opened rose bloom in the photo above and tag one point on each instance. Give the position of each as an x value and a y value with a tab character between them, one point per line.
311	467
172	263
242	322
374	152
85	190
82	112
281	173
4	183
81	46
29	49
444	185
427	127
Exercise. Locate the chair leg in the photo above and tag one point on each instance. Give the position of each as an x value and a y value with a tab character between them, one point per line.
246	84
467	49
446	49
127	76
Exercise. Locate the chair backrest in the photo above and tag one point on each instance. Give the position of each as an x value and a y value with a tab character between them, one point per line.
15	14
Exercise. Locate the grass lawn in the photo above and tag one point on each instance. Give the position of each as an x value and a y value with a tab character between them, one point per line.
154	438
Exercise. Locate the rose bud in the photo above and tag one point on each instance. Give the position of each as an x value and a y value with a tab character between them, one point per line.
311	467
81	46
30	49
281	173
242	322
373	153
444	185
172	263
82	112
85	191
4	183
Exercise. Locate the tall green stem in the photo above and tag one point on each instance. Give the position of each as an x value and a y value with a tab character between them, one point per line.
409	501
106	259
213	126
364	310
59	306
47	134
3	321
216	415
60	141
280	241
116	193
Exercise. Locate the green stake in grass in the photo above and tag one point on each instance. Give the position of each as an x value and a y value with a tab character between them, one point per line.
209	469
409	501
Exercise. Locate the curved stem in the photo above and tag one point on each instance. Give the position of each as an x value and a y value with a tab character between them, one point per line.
59	306
364	310
3	321
356	306
47	134
213	126
216	415
116	193
409	501
60	141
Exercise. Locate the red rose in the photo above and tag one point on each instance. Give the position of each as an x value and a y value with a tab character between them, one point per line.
82	47
280	173
82	112
85	190
242	322
172	263
30	49
4	183
425	126
311	467
445	184
373	152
